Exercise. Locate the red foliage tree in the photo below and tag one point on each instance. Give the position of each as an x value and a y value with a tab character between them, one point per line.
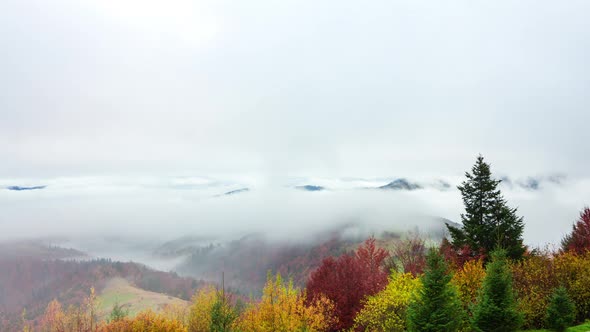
579	239
408	255
458	257
348	279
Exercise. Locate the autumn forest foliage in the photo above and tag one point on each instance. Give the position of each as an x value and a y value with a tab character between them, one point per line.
354	293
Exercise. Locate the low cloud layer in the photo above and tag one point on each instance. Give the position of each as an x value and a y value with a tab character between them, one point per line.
158	210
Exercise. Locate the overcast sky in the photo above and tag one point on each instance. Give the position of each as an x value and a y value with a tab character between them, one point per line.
341	88
280	89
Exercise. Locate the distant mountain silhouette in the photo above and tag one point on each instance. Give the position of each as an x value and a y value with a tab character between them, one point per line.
533	183
237	191
401	184
310	188
19	188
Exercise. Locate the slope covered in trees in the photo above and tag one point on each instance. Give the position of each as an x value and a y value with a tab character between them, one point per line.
31	283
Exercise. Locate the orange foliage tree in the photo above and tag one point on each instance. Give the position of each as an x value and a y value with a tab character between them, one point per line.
80	319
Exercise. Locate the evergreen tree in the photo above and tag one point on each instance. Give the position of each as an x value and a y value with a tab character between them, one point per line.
437	308
222	315
495	310
561	311
117	313
487	222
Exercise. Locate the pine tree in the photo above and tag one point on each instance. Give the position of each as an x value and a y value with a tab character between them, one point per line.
495	310
487	222
437	308
561	311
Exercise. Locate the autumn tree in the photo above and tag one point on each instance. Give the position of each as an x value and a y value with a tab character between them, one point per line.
348	279
76	318
468	280
146	321
408	255
283	308
54	319
534	280
199	317
488	222
437	307
386	311
496	306
573	272
578	240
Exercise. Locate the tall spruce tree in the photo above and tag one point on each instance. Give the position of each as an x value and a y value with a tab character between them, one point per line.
495	310
437	307
488	222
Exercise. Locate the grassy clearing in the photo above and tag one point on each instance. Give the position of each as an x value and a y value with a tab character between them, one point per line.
133	299
580	328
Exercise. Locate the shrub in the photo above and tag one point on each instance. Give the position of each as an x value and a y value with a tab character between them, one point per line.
146	321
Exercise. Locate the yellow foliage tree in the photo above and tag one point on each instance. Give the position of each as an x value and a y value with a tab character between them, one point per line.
533	281
573	272
282	308
199	317
468	280
386	311
176	311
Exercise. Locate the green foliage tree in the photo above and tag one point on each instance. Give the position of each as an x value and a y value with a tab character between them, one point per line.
437	307
223	315
496	307
117	313
561	312
488	222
